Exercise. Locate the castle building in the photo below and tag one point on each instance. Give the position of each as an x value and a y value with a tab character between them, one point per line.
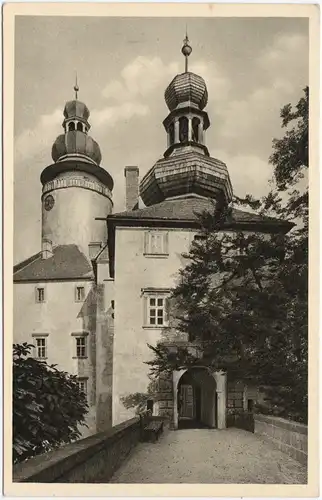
95	296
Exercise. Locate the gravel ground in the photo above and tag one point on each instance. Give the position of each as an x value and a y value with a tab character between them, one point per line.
230	456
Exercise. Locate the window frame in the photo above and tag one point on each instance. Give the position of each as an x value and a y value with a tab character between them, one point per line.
77	287
37	290
156	296
150	249
40	337
83	380
81	347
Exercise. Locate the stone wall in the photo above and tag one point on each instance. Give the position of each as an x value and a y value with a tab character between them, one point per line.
289	437
90	460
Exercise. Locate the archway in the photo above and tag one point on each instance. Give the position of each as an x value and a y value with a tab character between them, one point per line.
197	399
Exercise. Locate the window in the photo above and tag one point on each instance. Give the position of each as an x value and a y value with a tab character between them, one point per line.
183	129
71	126
156	310
41	348
81	347
79	294
156	243
171	134
195	129
82	385
80	126
40	294
250	405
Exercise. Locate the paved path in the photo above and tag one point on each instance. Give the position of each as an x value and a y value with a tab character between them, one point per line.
209	456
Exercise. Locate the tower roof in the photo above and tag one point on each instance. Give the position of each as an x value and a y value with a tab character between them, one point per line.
186	88
76	109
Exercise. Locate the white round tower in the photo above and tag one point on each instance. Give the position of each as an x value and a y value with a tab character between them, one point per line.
76	190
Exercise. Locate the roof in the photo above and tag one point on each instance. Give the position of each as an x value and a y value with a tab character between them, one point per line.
67	262
185	210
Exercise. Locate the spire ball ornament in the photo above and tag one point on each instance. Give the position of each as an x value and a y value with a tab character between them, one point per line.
186	51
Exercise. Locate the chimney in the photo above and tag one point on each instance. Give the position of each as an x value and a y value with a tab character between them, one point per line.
131	188
46	248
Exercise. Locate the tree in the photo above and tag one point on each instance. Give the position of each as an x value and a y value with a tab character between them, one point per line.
243	297
48	405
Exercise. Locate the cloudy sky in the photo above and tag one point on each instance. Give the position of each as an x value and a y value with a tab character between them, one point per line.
252	67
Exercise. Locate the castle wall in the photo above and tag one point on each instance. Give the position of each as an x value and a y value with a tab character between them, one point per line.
58	318
78	199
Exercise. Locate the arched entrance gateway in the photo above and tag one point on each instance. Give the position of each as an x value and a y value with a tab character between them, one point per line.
199	398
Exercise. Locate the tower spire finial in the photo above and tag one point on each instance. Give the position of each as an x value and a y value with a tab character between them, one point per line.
186	49
76	87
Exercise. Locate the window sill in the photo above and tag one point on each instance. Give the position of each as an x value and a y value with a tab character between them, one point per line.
41	359
154	327
156	255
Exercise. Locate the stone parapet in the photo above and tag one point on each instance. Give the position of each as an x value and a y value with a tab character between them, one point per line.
86	461
288	436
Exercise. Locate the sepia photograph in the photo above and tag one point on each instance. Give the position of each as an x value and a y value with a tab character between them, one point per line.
160	316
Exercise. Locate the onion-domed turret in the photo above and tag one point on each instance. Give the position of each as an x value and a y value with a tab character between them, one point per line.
76	189
187	167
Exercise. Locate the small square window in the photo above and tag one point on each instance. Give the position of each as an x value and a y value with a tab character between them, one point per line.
40	294
79	294
41	347
81	347
160	302
152	302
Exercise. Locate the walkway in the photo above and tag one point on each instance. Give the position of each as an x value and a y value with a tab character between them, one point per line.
209	456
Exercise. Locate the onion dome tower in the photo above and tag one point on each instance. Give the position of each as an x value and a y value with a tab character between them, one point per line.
186	169
76	189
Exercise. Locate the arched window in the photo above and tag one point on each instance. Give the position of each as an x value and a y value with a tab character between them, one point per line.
71	126
195	126
80	126
183	129
171	134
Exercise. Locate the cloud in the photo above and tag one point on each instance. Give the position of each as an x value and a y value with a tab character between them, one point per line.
38	140
249	174
139	78
112	115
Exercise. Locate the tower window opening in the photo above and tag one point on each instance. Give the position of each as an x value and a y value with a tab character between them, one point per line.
71	126
183	129
195	127
171	134
80	126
